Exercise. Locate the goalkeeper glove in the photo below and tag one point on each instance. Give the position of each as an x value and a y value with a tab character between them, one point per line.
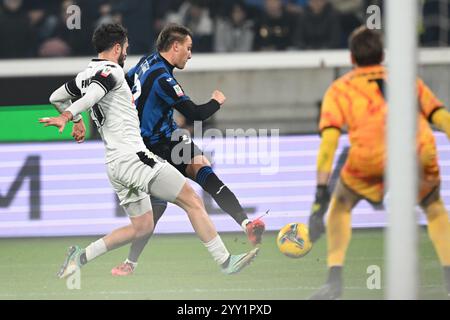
318	210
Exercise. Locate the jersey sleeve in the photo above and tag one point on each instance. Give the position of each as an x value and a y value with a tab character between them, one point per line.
109	77
63	97
73	88
428	102
331	114
168	89
95	92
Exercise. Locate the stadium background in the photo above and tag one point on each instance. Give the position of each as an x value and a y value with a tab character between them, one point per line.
271	83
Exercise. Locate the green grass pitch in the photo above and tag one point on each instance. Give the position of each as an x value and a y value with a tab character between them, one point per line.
178	267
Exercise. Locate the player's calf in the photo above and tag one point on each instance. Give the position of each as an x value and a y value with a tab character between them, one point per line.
190	202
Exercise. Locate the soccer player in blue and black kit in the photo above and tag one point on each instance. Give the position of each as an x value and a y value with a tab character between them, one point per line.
157	94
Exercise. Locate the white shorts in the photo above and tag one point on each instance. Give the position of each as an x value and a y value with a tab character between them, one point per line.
135	177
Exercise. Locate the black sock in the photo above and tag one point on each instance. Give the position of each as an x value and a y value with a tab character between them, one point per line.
226	199
335	276
447	278
83	259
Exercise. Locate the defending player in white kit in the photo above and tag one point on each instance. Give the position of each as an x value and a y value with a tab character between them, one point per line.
133	171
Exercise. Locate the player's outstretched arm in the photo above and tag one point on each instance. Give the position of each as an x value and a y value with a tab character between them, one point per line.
61	98
93	95
196	112
325	158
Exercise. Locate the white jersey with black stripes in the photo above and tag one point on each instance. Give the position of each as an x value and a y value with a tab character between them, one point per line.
115	115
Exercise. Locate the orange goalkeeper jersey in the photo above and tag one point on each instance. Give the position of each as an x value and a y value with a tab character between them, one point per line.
356	101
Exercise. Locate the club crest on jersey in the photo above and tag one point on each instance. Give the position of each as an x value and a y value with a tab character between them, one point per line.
106	72
178	90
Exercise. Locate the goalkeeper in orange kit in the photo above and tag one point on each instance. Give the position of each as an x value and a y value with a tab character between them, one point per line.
356	100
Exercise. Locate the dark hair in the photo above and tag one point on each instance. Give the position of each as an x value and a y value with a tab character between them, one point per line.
366	46
170	34
237	3
107	35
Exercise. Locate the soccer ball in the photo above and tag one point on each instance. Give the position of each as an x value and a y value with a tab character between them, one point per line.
293	240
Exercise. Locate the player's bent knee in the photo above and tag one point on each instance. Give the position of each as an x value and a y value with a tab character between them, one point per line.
434	209
432	199
143	225
138	208
186	193
200	161
144	231
188	198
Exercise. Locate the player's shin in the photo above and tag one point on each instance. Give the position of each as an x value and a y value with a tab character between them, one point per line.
338	233
140	227
217	249
120	237
223	196
206	231
192	204
202	224
92	251
439	230
139	244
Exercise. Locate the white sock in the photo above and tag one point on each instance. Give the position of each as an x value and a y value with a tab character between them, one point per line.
244	224
134	264
217	249
95	249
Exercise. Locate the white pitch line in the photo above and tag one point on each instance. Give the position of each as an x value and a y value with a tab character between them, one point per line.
185	291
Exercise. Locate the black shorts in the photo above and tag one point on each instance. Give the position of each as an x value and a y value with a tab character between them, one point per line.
177	153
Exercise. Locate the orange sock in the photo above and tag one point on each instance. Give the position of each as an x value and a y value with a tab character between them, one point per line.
439	230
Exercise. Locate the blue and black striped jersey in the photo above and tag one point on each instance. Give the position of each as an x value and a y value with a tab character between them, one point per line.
156	92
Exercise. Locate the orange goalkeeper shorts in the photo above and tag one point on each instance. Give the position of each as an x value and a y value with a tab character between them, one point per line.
367	178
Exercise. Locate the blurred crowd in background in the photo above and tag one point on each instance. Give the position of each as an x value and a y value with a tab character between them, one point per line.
36	28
